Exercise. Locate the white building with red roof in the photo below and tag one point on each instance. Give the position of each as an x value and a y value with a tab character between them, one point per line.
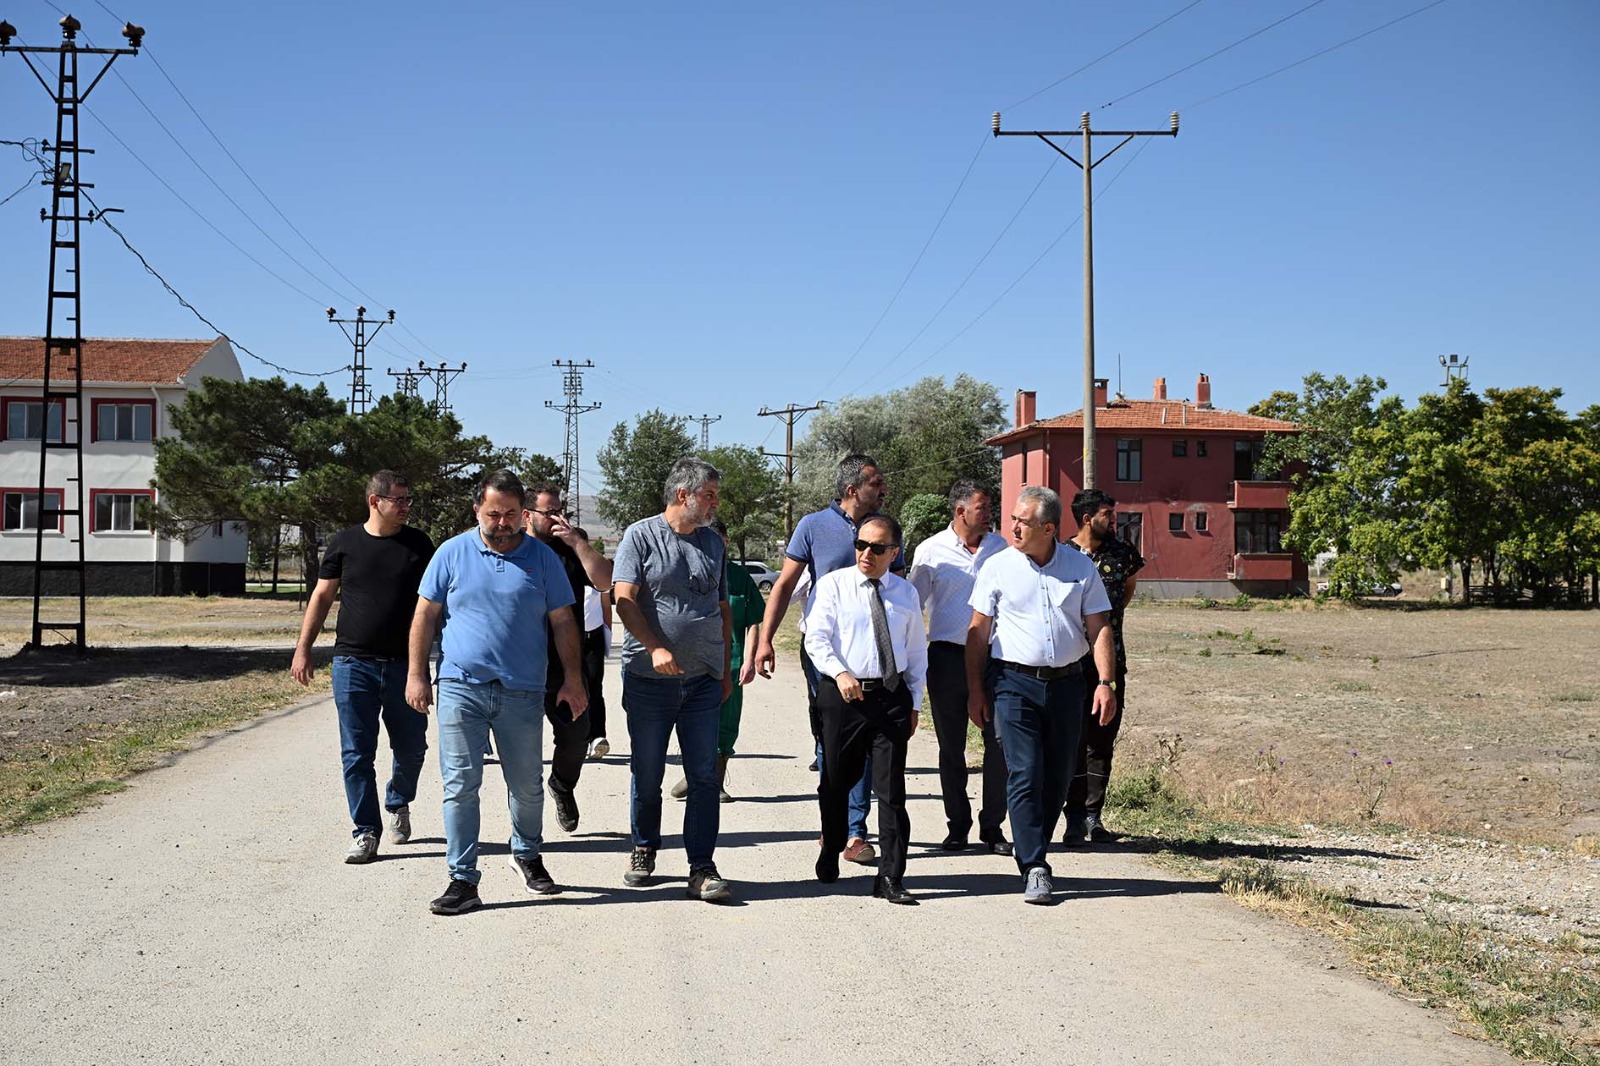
128	385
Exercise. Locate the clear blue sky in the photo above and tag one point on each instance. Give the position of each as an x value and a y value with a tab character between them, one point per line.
716	202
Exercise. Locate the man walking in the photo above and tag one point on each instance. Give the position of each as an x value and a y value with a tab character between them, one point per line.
1037	608
865	634
546	520
596	646
1118	562
672	596
943	573
495	589
376	567
823	542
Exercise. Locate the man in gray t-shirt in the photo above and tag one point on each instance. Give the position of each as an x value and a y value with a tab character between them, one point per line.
670	583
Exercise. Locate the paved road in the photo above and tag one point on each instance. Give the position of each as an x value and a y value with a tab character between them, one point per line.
204	916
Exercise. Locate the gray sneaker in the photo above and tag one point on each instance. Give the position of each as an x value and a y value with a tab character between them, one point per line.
364	848
705	883
533	874
400	825
641	864
1037	888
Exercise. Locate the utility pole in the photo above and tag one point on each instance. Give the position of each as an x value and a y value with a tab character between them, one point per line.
440	376
1087	166
63	331
790	416
360	395
405	383
705	428
1454	367
572	387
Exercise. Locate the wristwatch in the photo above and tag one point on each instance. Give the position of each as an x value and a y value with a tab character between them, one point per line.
1112	685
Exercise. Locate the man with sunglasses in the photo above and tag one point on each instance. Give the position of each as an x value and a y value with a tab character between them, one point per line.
545	519
374	568
1037	609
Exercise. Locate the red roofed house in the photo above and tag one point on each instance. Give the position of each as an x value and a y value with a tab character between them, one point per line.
1183	475
127	387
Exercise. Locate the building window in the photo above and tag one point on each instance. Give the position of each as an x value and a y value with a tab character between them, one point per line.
1130	460
1130	528
1200	523
130	421
1180	449
21	508
1199	449
25	419
1258	531
119	511
1175	522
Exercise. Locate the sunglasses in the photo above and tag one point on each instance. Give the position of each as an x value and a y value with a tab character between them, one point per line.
875	549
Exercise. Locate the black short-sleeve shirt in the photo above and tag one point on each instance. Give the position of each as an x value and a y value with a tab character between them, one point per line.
378	579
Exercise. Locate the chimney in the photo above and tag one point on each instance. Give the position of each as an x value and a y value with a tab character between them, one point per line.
1101	386
1161	388
1202	393
1027	408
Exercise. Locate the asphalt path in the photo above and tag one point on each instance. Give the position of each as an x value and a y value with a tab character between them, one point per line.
206	916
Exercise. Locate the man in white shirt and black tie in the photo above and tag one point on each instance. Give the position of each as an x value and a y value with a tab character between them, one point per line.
1037	609
865	635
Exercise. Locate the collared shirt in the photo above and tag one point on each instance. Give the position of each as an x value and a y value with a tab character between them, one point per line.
839	634
1039	612
943	573
825	541
495	608
1118	561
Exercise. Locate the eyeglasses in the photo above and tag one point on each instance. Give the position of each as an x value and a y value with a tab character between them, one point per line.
398	501
875	549
498	516
552	513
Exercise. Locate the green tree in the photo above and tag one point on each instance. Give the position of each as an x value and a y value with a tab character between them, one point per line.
635	464
921	517
1332	410
751	495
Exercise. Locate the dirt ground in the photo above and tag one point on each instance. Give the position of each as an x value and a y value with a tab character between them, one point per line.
1476	721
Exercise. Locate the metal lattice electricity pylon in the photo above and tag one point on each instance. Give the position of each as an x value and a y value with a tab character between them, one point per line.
440	376
572	387
360	394
61	379
705	428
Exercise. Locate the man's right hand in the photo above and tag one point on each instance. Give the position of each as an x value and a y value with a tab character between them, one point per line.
664	662
302	668
419	694
766	658
978	709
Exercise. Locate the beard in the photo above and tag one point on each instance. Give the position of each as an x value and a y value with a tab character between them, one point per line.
698	513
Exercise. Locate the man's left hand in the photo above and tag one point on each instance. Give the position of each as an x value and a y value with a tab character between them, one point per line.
562	530
747	672
727	686
572	693
1105	704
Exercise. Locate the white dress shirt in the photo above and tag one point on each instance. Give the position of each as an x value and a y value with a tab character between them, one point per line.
839	633
943	574
1039	612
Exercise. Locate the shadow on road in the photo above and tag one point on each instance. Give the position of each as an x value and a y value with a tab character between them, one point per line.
65	668
1266	852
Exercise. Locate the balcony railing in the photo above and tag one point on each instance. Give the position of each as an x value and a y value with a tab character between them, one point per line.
1263	566
1261	495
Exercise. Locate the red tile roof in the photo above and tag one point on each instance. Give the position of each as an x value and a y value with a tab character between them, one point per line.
141	362
1175	415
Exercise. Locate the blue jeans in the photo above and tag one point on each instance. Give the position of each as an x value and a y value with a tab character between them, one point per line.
467	714
366	691
1039	723
861	791
655	706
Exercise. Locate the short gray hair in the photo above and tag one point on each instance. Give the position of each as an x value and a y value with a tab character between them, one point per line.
689	474
1047	504
852	473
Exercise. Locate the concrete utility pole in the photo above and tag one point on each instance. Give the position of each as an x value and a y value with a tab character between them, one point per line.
572	387
790	416
440	376
1087	166
61	385
360	394
705	428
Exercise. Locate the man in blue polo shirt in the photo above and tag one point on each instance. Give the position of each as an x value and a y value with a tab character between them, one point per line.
824	541
493	588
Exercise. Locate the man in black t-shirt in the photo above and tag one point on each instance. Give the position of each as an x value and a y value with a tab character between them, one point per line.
375	569
546	519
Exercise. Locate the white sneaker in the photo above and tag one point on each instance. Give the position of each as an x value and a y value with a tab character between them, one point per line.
599	748
400	825
364	848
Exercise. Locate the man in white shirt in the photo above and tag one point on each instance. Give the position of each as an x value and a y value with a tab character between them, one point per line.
865	635
1036	611
943	573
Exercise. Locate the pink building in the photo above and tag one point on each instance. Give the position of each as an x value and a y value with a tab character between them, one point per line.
1183	475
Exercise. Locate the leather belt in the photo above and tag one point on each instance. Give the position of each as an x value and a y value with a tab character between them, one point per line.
1043	673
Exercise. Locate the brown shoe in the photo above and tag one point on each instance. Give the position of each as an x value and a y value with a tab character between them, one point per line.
859	851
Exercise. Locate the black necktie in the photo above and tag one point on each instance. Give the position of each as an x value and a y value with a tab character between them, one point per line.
880	636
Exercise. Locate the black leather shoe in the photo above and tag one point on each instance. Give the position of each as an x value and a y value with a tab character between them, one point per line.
827	868
891	889
955	842
997	845
1099	834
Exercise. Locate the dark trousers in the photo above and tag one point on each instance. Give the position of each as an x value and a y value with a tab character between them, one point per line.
571	738
594	674
947	692
877	725
1039	722
1087	794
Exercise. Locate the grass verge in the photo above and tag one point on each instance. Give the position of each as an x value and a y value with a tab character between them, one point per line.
1537	1000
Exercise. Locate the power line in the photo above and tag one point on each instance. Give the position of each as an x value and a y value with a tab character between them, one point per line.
1106	55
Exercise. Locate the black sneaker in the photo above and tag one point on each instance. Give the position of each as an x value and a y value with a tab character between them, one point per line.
705	883
459	898
533	874
566	808
640	866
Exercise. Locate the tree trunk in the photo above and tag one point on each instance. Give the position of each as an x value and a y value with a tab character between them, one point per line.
1466	582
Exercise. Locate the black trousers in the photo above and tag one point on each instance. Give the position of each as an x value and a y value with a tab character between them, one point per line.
1087	793
879	725
571	739
594	674
947	692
